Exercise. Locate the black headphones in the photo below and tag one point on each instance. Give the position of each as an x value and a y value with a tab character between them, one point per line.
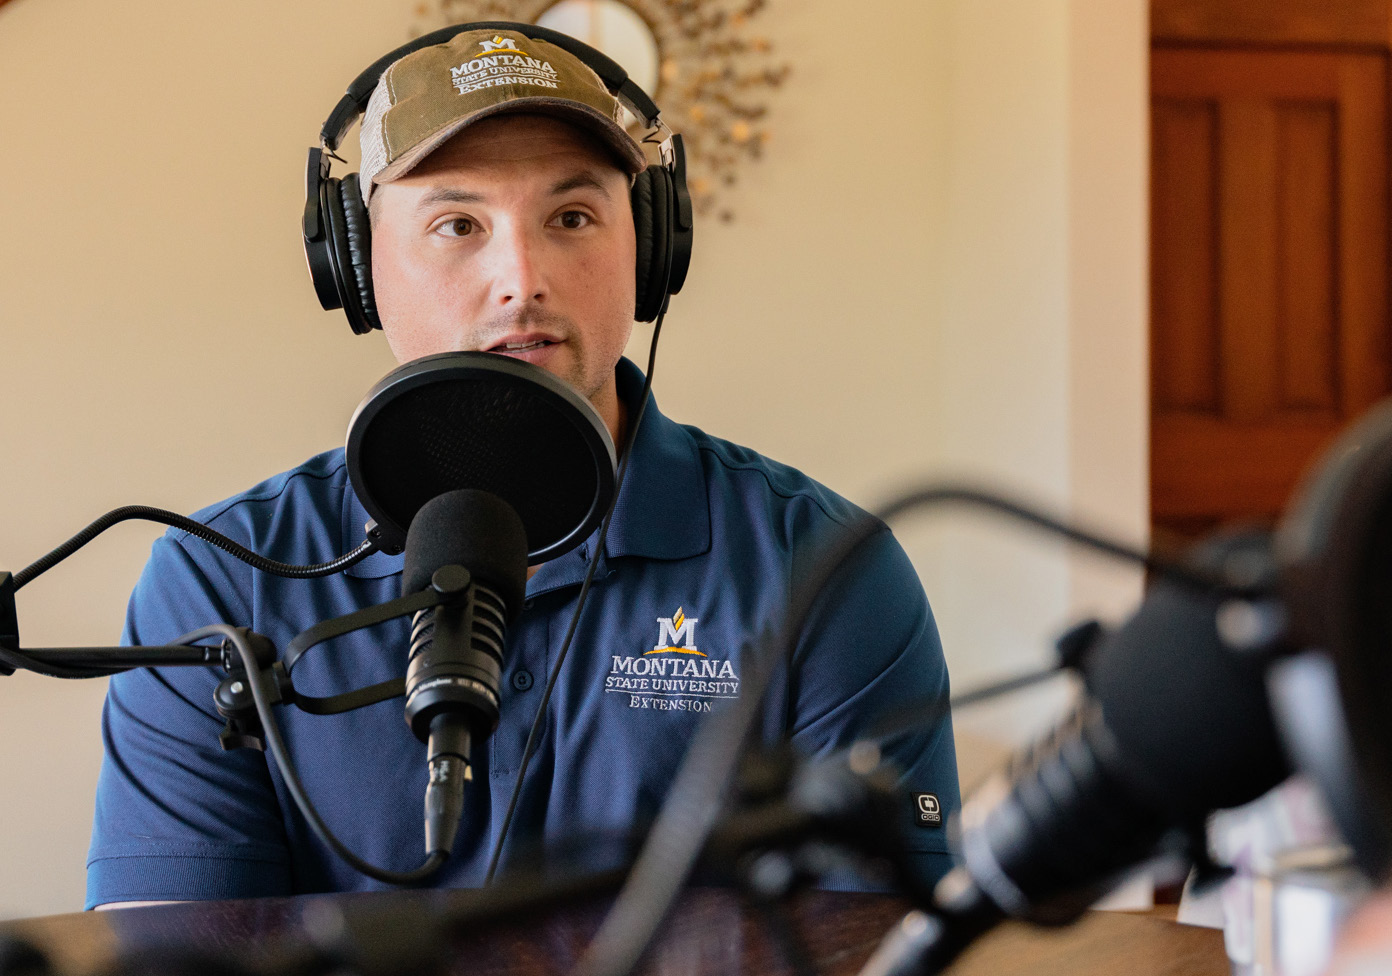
338	237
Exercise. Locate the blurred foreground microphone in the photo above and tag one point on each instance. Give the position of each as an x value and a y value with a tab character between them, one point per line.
1194	705
1176	725
1333	699
477	465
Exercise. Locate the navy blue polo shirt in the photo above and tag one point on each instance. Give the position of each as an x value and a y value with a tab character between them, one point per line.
707	540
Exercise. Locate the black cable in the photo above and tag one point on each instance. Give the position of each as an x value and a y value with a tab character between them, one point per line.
1004	687
276	744
527	749
951	494
921	713
255	560
926	713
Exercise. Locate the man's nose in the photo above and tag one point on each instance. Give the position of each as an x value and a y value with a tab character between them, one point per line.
516	266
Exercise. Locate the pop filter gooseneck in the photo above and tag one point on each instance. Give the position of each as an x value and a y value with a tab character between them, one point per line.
473	420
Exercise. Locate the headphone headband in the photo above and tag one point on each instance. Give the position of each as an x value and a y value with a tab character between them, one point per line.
615	78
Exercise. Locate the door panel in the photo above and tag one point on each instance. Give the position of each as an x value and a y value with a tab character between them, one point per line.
1268	291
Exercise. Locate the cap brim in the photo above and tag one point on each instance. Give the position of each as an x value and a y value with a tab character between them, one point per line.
627	151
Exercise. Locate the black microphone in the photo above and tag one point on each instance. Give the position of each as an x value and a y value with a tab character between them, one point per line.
1177	724
471	546
476	465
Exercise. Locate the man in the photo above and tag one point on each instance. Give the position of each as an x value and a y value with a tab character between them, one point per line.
508	229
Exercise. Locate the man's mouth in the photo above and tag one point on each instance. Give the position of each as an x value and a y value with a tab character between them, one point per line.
531	347
521	346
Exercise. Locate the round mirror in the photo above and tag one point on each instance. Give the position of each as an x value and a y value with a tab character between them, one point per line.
614	28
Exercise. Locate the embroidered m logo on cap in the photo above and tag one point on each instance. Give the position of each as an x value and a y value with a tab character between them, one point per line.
500	43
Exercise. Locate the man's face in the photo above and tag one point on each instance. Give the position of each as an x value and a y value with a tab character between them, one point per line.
515	237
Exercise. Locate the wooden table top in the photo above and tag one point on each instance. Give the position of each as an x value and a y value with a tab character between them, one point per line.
711	931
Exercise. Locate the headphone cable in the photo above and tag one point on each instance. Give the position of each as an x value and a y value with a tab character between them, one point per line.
533	734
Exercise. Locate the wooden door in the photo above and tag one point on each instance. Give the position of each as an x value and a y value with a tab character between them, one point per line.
1269	248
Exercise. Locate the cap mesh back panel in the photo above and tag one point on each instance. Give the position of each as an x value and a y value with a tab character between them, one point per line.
498	436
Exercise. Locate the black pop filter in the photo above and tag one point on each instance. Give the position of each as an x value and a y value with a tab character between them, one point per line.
486	422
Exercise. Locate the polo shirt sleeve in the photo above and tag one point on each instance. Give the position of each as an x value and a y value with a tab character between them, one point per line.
869	646
177	818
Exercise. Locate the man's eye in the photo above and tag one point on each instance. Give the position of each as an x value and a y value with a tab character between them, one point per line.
458	227
574	219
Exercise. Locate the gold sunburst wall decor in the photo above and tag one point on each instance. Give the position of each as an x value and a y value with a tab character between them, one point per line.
703	61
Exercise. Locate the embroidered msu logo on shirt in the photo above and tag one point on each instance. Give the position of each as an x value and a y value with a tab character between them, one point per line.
676	633
675	676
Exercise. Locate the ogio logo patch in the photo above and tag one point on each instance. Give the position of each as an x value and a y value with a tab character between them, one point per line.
927	810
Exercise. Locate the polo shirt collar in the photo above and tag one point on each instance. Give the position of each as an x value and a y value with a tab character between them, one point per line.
663	510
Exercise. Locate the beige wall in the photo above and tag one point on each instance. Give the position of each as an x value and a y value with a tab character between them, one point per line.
939	269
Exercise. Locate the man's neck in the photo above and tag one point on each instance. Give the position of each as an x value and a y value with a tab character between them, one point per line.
614	413
619	429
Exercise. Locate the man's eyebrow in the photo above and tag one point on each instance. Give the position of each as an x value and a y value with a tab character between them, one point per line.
582	180
445	194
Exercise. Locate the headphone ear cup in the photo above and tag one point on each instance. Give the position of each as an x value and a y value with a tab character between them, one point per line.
350	251
361	301
652	235
319	247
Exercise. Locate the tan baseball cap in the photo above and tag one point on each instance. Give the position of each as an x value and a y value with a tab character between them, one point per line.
432	94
